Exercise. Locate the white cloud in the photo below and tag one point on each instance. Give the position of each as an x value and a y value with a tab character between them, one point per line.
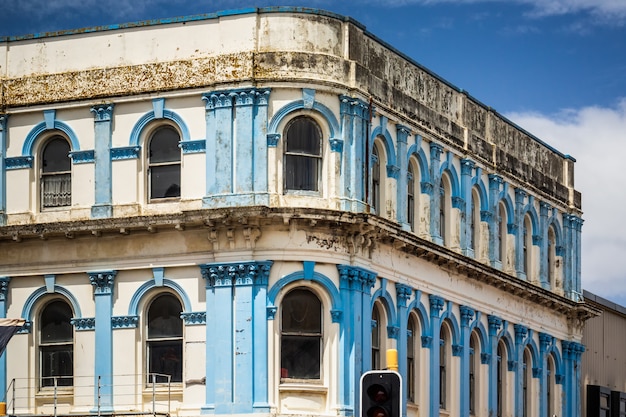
596	138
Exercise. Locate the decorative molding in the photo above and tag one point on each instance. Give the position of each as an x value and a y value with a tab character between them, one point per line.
308	98
194	318
26	328
393	332
127	152
336	315
102	281
271	312
356	278
124	322
494	324
272	139
485	358
229	274
103	112
427	342
336	145
536	372
19	162
457	350
84	323
193	146
436	304
403	293
354	107
393	171
4	287
83	157
467	313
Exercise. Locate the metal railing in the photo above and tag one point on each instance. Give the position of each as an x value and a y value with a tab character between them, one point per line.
132	394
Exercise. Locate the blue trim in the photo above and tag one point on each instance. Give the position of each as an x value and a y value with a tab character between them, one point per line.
124	322
18	162
422	314
193	146
133	308
455	187
127	152
83	157
380	132
35	133
422	162
327	114
325	282
479	184
144	120
28	309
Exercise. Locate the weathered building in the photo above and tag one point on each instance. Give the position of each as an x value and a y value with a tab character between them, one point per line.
237	213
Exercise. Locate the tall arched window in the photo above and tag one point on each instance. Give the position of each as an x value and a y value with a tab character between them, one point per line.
376	177
501	233
164	344
526	384
501	379
445	204
303	155
56	345
527	245
444	360
474	366
301	335
410	197
376	337
473	223
550	385
411	354
551	257
56	173
164	163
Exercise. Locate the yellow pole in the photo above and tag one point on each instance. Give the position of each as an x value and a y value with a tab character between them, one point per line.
3	409
392	359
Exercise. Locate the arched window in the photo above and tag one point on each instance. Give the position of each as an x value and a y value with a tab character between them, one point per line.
164	163
444	360
376	337
550	385
303	155
56	345
474	366
527	245
526	384
473	223
551	257
411	353
376	177
501	379
56	173
445	205
301	335
410	197
164	344
501	233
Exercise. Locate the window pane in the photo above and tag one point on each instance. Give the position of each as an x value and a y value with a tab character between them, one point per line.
165	181
164	145
165	358
300	357
301	172
301	312
57	361
56	156
55	323
303	136
164	318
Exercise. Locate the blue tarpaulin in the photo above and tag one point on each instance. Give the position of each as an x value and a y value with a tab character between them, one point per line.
8	327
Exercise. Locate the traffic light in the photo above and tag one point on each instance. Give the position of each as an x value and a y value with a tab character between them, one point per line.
381	394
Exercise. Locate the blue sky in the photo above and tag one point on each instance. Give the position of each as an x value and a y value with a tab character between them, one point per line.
555	67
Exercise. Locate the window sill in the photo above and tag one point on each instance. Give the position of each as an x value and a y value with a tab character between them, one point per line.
302	385
50	392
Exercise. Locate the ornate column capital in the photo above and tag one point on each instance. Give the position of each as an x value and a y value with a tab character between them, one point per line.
520	333
403	293
435	151
3	121
102	281
103	112
356	278
466	166
495	181
233	274
520	195
436	304
495	323
545	340
467	313
4	287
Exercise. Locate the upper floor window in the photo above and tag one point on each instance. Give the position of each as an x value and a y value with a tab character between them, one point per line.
501	388
550	385
376	191
551	257
474	364
527	247
411	364
410	197
56	345
473	235
444	360
376	339
303	155
164	163
445	204
56	173
501	232
164	344
301	335
526	384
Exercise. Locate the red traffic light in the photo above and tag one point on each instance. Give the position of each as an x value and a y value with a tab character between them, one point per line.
381	393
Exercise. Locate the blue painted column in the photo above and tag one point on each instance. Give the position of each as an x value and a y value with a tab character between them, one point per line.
520	335
402	133
494	326
259	149
577	265
436	305
569	401
4	289
3	170
355	125
219	141
520	195
355	286
102	155
103	282
467	313
240	375
466	192
545	340
494	190
578	350
435	201
403	293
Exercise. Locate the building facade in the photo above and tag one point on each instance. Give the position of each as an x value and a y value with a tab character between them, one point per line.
238	213
603	364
